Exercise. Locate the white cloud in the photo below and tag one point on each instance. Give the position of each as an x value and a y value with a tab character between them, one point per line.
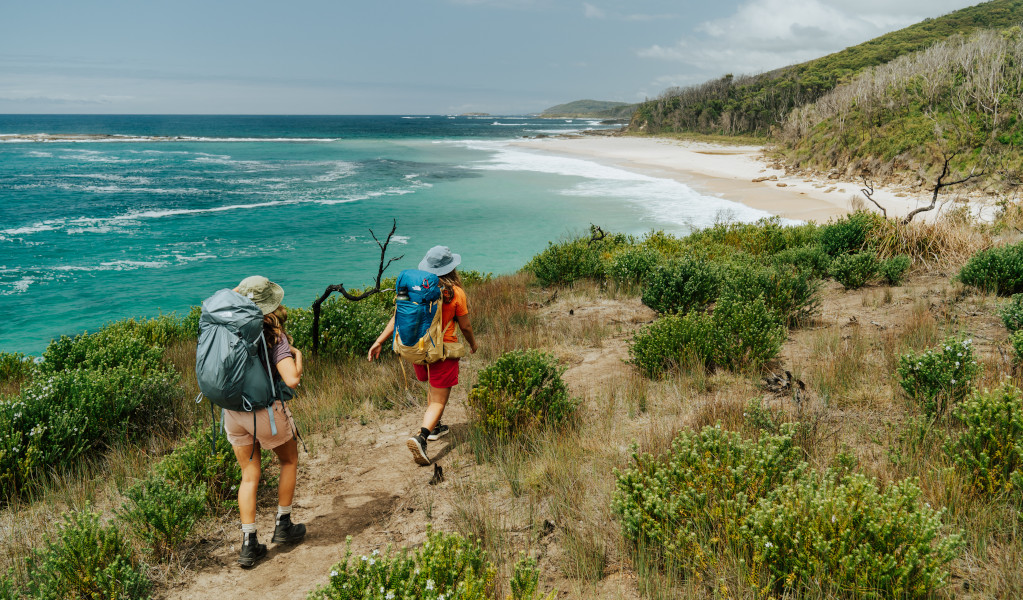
767	34
593	12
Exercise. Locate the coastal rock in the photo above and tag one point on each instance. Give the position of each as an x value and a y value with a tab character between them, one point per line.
760	179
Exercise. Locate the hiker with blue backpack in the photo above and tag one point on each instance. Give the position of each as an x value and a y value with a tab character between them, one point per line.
245	364
429	302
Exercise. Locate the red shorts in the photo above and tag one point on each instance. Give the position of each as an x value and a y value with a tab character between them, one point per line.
443	374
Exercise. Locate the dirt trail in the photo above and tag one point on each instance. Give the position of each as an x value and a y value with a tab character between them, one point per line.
360	481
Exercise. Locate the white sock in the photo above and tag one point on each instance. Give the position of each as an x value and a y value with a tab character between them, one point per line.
248	528
281	511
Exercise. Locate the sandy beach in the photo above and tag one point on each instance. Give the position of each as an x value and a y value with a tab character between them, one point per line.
738	173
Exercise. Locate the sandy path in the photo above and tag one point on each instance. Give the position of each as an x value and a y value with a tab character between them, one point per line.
344	489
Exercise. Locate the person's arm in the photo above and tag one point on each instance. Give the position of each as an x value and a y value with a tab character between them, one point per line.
466	327
290	368
374	350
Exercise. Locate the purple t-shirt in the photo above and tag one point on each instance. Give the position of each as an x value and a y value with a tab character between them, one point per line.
278	352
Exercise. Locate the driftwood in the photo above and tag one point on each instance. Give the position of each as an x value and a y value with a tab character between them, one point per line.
941	184
868	191
340	287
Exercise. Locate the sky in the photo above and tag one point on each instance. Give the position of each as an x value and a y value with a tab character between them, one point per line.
407	56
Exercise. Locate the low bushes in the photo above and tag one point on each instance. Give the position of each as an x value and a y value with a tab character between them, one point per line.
1012	313
14	366
843	535
446	567
893	270
346	328
568	261
853	271
521	390
633	265
997	270
161	514
195	462
846	235
941	377
718	496
85	560
682	285
738	334
812	260
990	446
791	293
687	507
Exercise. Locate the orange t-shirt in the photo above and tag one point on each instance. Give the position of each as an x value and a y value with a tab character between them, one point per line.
459	306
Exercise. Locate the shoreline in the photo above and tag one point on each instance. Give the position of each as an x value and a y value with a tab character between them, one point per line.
742	174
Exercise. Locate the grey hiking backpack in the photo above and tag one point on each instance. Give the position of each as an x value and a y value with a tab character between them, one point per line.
227	359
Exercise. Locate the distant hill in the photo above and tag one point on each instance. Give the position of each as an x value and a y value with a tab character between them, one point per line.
597	109
759	104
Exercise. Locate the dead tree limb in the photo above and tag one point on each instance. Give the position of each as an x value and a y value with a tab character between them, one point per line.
940	183
868	191
596	233
340	287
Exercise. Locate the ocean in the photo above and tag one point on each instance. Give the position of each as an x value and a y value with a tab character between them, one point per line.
109	217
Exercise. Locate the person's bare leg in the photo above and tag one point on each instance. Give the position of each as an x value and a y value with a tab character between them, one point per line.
250	482
288	455
438	400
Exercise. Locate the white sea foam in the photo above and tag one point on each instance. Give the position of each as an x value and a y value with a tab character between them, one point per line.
415	117
340	170
114	265
664	200
38	154
400	239
102	138
507	124
16	287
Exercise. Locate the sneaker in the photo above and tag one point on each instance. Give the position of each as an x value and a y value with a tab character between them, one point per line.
417	445
287	532
251	551
438	432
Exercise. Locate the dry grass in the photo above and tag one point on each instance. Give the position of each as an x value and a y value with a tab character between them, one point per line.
945	243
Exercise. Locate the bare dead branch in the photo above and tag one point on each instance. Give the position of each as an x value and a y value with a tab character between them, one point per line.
596	233
940	183
868	191
340	287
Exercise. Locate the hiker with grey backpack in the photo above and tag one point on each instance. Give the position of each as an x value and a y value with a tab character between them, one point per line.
429	302
245	365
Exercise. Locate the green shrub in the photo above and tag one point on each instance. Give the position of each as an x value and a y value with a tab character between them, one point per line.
161	514
521	390
845	235
893	270
568	261
688	506
997	270
808	259
14	366
1016	340
682	285
61	416
346	328
853	271
990	446
446	566
793	294
86	560
195	462
762	238
109	348
1012	313
941	377
822	533
473	277
738	334
632	265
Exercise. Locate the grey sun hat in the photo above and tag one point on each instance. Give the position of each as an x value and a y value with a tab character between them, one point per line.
266	294
439	260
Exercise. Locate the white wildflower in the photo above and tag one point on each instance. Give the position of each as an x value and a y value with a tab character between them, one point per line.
333	573
768	545
429	584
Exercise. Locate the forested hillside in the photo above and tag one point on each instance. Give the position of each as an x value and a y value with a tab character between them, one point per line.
591	108
961	96
759	104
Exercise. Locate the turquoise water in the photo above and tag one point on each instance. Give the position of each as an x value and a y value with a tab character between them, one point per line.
97	230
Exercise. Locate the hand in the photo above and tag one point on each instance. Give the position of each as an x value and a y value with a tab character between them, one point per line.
296	353
374	351
473	347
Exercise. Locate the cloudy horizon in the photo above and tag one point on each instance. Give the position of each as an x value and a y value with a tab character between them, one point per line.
408	57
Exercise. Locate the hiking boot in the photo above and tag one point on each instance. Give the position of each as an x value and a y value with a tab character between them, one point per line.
252	550
438	432
287	532
417	445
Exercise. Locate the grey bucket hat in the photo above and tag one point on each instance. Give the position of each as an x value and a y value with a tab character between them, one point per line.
439	260
266	294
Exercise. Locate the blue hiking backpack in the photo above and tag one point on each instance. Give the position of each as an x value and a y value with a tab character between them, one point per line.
418	320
